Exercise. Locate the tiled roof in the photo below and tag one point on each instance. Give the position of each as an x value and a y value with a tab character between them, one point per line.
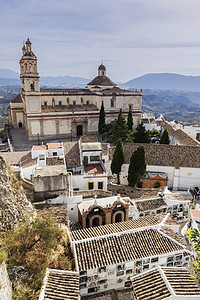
149	204
61	285
163	282
180	135
150	286
72	154
17	99
94	169
165	155
176	236
123	247
21	158
102	80
181	282
116	227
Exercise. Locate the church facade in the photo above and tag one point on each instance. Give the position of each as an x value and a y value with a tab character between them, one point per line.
61	113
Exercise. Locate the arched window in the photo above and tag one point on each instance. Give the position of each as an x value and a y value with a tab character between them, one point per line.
157	184
95	222
32	87
118	217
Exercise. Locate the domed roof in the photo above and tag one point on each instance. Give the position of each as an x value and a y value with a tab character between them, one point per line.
102	80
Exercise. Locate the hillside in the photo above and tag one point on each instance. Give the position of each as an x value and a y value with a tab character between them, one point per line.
14	206
165	81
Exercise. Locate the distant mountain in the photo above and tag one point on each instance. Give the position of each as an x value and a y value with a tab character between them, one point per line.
63	81
8	77
165	81
5	73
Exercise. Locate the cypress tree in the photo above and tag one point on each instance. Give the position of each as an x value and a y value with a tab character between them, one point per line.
119	129
130	120
141	135
137	167
164	137
101	125
118	159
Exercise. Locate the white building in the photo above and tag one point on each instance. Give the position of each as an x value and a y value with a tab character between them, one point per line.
167	202
124	249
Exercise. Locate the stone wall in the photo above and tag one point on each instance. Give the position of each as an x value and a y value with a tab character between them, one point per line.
5	284
125	190
92	193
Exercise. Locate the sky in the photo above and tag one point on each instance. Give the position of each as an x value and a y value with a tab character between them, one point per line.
131	37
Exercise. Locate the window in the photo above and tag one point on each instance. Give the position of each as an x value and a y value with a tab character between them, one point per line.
112	102
90	185
54	153
41	157
45	103
129	271
53	102
83	273
94	158
157	185
120	273
155	259
169	259
88	102
102	269
83	285
100	185
128	284
60	103
102	281
81	100
83	279
120	267
32	87
67	100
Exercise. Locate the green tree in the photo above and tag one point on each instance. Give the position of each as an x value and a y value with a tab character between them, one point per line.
130	120
141	135
118	159
194	236
119	129
101	125
164	137
137	167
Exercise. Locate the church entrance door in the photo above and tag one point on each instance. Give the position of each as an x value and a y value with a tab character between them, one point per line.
79	130
20	124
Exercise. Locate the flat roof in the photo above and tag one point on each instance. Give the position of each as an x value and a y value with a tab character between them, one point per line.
96	146
54	145
50	171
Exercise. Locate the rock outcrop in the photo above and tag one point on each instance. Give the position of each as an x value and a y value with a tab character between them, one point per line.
14	206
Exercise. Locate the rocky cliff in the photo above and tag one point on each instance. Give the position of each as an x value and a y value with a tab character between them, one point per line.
14	206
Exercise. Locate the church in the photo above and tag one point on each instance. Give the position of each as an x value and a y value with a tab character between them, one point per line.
61	113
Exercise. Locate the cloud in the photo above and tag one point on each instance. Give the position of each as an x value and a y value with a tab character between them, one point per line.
134	36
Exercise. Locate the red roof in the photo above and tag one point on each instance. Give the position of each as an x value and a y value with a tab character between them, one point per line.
54	145
195	213
39	147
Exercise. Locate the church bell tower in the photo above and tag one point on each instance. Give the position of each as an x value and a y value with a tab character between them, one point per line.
28	70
